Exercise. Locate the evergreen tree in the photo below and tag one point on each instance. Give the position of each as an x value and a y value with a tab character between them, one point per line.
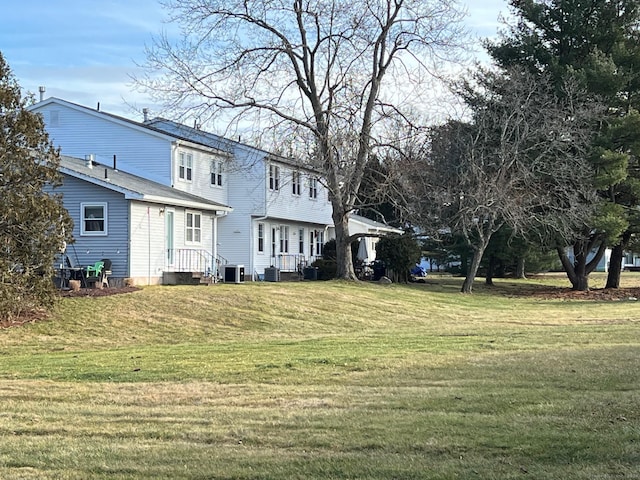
596	42
33	222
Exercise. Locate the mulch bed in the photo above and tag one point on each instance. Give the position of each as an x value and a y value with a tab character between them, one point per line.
595	294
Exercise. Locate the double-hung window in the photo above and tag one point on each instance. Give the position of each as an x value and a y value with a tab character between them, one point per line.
301	241
274	177
185	166
193	227
216	173
94	219
284	239
313	187
319	241
261	238
296	185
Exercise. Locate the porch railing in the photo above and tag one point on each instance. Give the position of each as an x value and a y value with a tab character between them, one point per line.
292	262
194	260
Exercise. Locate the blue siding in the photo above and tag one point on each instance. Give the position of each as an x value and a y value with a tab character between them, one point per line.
115	245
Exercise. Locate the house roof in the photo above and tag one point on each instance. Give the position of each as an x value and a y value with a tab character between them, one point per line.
141	126
372	224
134	187
216	141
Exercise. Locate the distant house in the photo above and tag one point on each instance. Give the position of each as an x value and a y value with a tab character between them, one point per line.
374	230
146	229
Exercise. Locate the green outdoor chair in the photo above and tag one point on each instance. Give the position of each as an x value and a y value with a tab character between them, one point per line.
95	270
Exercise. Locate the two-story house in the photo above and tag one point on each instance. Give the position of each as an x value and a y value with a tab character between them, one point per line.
279	215
281	211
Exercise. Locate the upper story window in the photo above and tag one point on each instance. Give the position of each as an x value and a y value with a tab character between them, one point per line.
193	227
94	219
185	166
313	187
216	173
296	184
274	177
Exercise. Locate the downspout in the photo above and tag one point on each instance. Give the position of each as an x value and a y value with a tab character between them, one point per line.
174	149
149	245
215	246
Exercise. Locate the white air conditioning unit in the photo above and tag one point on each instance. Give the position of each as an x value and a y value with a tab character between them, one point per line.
234	273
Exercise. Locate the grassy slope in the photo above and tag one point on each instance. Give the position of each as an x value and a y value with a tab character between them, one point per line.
323	380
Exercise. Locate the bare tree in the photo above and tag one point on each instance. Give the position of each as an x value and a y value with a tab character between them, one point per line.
515	163
326	72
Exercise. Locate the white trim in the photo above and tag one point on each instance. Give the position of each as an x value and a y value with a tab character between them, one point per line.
93	233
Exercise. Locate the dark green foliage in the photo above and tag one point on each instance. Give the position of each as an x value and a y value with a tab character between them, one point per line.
32	222
399	253
595	42
327	268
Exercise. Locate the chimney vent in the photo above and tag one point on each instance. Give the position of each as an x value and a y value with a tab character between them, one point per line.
42	89
145	112
88	160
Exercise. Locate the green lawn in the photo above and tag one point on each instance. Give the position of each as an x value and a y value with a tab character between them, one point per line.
325	380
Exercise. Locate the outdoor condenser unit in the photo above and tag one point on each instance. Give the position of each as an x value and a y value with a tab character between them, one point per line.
272	274
234	273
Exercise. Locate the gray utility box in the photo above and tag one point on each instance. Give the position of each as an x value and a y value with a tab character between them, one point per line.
234	274
272	274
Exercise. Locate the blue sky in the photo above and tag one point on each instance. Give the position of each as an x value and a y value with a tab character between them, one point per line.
86	51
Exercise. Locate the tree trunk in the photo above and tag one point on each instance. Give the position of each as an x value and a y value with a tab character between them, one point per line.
344	259
488	280
578	271
520	269
467	285
615	263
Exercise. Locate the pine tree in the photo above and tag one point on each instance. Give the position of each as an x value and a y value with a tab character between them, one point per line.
33	221
596	42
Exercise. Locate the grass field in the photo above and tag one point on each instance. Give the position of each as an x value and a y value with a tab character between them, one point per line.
325	380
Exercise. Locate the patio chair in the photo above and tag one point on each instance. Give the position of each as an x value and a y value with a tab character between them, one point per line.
92	274
106	271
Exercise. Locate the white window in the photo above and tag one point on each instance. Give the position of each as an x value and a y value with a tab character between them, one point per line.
313	187
94	219
296	185
261	237
216	173
193	225
185	166
284	239
319	241
301	241
274	231
274	177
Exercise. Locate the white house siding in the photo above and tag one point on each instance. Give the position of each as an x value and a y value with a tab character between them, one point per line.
284	204
200	183
78	133
148	248
87	250
286	260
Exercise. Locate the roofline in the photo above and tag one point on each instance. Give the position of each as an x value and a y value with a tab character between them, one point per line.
133	195
141	126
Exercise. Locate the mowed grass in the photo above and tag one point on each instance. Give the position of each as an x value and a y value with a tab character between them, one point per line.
325	380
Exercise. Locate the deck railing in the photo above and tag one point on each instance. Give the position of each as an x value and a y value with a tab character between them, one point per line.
292	262
194	260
